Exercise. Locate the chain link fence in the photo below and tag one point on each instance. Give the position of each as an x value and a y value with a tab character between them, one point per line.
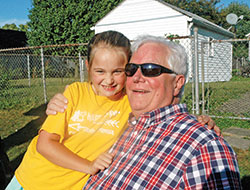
32	75
225	74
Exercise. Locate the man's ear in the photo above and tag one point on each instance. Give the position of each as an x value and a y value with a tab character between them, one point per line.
179	83
87	64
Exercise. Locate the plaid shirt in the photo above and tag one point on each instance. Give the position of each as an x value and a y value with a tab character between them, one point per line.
168	149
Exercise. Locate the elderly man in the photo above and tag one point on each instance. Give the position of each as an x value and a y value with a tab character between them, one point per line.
164	147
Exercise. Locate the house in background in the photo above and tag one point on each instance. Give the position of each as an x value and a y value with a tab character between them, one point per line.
156	17
12	39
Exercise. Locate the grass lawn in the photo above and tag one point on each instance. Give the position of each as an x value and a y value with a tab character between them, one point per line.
22	111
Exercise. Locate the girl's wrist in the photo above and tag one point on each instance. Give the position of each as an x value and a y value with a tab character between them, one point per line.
89	168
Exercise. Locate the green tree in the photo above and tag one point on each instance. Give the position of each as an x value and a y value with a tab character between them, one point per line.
243	26
10	27
23	27
240	50
65	21
13	26
205	8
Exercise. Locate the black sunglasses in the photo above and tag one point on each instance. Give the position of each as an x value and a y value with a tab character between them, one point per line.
147	69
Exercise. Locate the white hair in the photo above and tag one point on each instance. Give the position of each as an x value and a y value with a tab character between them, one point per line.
177	60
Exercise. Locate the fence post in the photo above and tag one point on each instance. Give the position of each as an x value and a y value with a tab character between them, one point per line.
202	78
81	68
248	48
43	77
196	71
28	65
237	67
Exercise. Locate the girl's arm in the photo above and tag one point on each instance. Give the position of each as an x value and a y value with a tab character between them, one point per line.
49	146
59	103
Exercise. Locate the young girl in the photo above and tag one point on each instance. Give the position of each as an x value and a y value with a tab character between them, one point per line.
72	145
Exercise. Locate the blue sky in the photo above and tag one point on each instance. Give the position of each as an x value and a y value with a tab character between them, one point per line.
16	11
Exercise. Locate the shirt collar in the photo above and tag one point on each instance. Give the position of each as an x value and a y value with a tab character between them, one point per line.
158	115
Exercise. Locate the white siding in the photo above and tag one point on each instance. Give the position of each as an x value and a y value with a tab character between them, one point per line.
136	17
219	66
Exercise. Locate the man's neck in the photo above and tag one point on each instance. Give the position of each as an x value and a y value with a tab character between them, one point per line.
138	113
176	100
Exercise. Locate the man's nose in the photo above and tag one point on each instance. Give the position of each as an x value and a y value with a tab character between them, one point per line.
138	76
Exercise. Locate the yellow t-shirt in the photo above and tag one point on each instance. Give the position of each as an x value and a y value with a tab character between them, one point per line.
89	126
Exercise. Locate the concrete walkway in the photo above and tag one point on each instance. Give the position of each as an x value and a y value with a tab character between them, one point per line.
237	137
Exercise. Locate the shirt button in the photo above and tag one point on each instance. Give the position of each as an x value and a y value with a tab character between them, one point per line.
133	122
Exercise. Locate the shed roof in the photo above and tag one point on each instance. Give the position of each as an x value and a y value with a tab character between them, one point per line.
12	39
193	18
199	20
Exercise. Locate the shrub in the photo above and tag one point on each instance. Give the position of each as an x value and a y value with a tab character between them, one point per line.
5	76
245	70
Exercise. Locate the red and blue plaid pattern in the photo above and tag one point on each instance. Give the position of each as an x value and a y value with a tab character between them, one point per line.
168	149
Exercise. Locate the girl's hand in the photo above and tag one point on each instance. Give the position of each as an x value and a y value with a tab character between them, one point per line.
206	120
57	104
102	162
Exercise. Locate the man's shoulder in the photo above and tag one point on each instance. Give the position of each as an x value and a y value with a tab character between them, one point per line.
184	119
185	124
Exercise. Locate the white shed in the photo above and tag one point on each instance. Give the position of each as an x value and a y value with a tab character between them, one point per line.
156	17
